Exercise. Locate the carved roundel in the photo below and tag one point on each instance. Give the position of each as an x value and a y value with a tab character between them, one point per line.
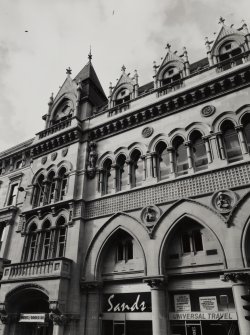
147	131
224	201
53	156
208	111
44	160
150	215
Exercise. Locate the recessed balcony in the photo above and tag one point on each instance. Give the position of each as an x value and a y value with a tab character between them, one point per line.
57	267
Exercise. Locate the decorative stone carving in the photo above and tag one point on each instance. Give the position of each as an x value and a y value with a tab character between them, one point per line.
224	201
53	156
147	132
236	277
44	160
208	111
64	152
150	215
92	158
59	319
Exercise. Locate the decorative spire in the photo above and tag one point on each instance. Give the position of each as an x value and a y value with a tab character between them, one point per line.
90	54
221	20
123	69
68	71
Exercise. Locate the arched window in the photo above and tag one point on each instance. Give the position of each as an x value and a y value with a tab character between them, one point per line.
136	169
60	238
51	185
246	129
45	241
199	153
231	142
162	161
122	96
39	189
121	173
107	183
124	250
31	244
62	184
230	50
181	159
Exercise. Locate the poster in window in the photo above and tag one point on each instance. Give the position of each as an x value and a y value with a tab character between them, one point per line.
208	304
193	330
182	303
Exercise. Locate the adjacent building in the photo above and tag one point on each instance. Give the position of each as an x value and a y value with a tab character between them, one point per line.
130	214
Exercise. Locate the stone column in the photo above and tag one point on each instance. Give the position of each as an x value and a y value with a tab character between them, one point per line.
189	155
158	301
208	149
129	165
92	311
221	146
240	287
113	176
171	159
243	144
149	157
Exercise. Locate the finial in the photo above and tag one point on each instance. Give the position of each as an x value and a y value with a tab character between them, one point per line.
123	68
90	54
221	20
168	46
68	71
136	74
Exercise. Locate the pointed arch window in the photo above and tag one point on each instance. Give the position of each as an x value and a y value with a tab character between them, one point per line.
121	173
171	75
199	153
246	129
162	161
107	183
31	244
136	168
39	189
181	159
51	185
124	250
62	183
60	238
231	142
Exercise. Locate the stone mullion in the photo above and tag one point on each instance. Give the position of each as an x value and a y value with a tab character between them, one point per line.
129	165
242	141
208	149
113	172
143	158
221	146
171	160
189	155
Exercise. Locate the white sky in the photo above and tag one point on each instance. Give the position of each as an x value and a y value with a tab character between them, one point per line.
129	32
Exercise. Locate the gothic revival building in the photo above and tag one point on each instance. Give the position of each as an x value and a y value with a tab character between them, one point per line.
130	214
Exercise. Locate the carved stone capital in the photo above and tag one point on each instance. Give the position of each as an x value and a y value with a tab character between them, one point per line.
58	319
236	277
157	282
90	285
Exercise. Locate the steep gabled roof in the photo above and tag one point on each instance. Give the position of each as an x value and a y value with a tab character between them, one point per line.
225	31
88	72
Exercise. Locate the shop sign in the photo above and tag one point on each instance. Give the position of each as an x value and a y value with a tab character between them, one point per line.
126	303
194	316
32	317
182	303
208	304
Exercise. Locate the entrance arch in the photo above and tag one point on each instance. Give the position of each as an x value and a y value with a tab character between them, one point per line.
28	308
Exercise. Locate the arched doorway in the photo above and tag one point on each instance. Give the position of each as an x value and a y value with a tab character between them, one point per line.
28	308
198	302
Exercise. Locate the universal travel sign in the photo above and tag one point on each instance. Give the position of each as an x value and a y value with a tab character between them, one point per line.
203	316
127	303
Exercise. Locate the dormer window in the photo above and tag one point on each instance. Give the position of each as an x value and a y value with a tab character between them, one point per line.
230	50
171	75
122	96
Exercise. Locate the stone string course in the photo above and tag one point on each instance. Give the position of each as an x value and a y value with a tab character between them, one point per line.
170	191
